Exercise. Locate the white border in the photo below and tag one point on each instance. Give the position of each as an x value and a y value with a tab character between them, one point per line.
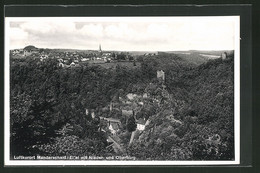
8	162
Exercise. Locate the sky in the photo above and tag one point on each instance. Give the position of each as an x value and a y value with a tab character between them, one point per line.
123	33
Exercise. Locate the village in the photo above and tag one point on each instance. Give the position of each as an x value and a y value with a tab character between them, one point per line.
74	58
115	117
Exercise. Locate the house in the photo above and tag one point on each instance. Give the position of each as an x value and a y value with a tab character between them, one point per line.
113	124
85	59
131	96
87	111
161	74
43	57
60	60
141	103
113	127
106	59
127	113
72	64
61	64
128	102
113	120
141	124
93	115
16	51
107	54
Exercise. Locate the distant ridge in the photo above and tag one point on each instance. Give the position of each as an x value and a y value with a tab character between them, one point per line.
30	47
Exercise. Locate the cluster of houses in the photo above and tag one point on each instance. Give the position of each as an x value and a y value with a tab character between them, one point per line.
16	51
66	58
150	54
73	59
30	51
129	106
127	110
69	58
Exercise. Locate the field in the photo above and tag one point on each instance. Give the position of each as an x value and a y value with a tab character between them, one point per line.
114	64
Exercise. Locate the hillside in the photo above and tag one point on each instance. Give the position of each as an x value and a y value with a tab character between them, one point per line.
198	57
59	111
198	121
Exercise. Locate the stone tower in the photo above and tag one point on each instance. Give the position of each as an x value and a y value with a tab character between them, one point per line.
224	55
161	75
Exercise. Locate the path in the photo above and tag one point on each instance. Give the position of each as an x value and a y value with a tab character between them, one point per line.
116	144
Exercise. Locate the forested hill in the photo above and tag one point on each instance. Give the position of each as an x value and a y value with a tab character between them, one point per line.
191	114
196	119
199	57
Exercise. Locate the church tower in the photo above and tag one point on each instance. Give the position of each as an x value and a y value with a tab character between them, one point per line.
100	50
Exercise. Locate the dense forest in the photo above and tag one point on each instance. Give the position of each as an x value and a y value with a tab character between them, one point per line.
191	113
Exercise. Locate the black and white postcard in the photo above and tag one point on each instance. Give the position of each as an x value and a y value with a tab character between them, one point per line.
122	90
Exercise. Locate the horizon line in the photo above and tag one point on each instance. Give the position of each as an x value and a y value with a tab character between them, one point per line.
130	50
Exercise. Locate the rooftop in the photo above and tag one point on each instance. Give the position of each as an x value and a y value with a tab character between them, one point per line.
141	121
111	119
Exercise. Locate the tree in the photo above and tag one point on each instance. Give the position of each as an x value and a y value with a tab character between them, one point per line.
131	58
121	56
131	124
134	63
